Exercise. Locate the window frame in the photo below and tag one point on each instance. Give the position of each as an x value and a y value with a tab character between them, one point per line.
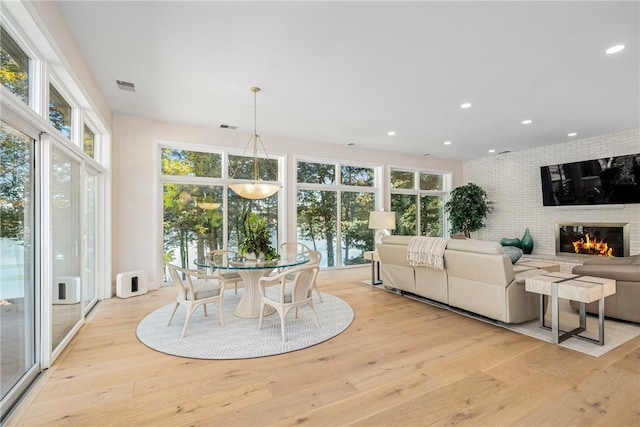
418	193
376	189
224	181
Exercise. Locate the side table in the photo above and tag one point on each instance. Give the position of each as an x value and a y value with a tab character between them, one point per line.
584	289
532	264
375	262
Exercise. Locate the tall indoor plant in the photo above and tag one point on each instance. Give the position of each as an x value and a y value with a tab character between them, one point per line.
468	206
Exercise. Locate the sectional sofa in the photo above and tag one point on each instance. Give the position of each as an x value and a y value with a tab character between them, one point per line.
625	303
477	277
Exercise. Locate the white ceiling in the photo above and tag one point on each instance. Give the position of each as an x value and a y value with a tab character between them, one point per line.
340	72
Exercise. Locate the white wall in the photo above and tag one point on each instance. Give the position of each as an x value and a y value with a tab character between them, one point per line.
137	209
512	182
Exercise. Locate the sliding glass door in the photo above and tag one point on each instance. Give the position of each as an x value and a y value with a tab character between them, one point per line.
18	332
66	232
89	273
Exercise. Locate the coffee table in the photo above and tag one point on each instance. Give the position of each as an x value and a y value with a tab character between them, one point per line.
584	289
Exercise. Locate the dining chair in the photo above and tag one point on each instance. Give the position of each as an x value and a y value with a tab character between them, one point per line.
195	290
314	257
224	276
283	294
292	248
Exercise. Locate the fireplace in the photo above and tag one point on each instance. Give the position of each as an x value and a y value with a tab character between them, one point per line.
592	239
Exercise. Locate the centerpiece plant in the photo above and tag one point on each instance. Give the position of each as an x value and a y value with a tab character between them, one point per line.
256	238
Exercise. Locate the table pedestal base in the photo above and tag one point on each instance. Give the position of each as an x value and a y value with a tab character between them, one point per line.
249	305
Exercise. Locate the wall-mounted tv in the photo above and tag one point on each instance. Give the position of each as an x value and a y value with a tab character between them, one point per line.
610	180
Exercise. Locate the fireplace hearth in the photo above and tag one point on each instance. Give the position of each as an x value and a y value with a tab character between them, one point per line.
592	239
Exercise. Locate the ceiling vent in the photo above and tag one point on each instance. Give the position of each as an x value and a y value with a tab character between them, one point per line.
122	85
232	127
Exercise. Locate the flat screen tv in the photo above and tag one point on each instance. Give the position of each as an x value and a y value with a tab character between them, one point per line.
610	180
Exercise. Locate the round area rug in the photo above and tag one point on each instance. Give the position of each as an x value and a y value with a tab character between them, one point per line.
240	338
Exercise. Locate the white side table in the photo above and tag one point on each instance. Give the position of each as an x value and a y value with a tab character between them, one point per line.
375	262
584	289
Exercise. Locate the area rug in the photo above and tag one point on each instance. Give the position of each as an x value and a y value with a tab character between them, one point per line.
240	338
616	332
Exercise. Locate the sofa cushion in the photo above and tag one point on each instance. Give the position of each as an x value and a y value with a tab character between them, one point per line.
476	246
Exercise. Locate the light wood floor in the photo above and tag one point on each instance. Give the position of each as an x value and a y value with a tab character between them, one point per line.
401	362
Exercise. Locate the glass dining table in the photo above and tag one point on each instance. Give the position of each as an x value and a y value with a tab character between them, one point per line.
251	271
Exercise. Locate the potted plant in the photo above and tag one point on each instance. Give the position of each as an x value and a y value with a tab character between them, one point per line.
256	238
467	208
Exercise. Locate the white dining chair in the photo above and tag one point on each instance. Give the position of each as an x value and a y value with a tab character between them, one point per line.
283	294
314	258
195	290
226	277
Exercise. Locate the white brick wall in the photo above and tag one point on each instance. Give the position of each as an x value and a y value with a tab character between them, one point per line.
512	182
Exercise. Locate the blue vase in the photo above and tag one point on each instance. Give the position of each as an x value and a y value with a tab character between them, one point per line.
527	242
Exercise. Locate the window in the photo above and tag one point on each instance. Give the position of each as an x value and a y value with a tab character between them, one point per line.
88	141
191	163
59	112
418	199
328	213
15	67
200	213
241	167
192	221
351	175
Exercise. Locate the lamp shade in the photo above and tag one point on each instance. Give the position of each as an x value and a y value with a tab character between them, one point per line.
255	190
382	220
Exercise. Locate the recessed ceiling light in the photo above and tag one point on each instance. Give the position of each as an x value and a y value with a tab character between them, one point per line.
572	134
492	151
465	105
527	122
447	143
391	133
615	49
351	144
426	154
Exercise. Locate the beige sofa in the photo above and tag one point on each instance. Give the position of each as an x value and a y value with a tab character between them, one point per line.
477	277
625	303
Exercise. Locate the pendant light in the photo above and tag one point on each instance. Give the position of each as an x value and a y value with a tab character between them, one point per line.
255	189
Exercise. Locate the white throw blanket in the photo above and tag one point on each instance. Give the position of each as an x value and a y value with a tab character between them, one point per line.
427	251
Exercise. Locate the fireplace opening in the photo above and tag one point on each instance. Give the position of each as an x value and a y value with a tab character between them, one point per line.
592	239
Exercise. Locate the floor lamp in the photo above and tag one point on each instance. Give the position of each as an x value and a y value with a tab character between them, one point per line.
381	222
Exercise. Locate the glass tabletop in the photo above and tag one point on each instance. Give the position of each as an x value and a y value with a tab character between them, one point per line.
234	262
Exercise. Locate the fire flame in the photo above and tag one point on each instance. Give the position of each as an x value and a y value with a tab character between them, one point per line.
592	247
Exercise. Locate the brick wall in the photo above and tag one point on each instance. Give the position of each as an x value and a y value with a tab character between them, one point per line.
512	182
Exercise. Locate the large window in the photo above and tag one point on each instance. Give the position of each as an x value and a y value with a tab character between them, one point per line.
14	74
200	213
418	199
328	213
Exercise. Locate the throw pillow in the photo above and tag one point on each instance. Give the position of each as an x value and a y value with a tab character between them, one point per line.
513	252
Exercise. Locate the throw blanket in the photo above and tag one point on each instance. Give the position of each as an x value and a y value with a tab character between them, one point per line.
427	251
